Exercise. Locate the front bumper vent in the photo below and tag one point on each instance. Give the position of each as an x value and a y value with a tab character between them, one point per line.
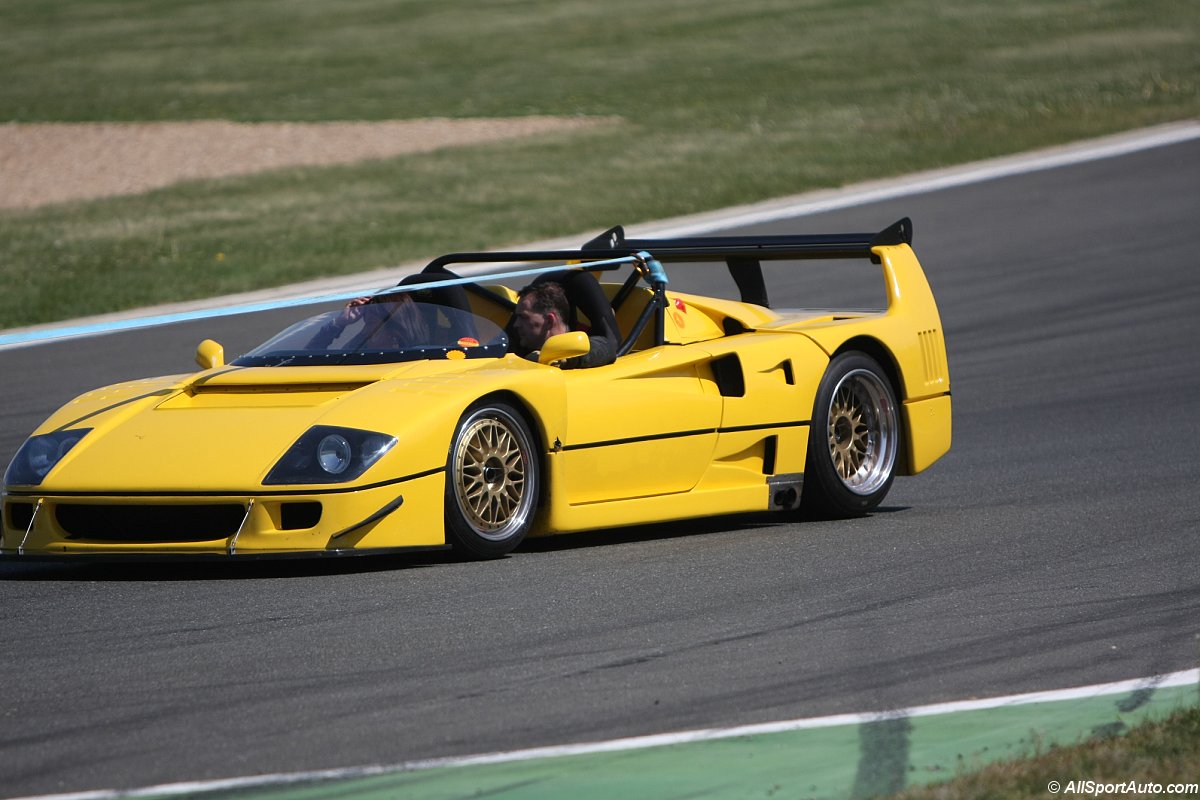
150	523
19	515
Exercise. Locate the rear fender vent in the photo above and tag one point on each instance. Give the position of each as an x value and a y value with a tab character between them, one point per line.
727	372
933	355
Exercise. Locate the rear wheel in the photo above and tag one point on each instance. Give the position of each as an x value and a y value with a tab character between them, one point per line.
854	438
491	481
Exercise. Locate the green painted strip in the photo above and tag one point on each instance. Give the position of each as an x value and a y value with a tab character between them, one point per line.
823	763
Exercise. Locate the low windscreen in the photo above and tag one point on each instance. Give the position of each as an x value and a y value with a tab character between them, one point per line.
381	332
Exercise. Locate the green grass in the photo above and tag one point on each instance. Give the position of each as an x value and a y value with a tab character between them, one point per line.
1163	753
722	103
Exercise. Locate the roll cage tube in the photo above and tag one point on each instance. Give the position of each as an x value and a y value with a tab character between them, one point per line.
646	267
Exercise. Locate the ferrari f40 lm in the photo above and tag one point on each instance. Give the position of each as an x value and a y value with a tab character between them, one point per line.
416	418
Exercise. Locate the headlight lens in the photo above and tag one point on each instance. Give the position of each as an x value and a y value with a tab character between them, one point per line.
327	454
39	455
334	454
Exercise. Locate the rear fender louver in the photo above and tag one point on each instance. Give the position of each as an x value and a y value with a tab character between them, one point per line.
933	354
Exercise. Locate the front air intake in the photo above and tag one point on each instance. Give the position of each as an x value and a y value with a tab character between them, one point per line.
150	523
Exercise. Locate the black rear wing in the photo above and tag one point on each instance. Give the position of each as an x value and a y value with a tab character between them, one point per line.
716	248
744	254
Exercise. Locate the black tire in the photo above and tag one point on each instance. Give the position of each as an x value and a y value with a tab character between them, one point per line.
854	439
492	481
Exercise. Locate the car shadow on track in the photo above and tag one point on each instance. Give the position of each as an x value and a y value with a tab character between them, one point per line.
135	571
682	528
609	537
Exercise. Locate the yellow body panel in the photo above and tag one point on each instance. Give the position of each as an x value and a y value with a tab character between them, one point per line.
211	439
909	330
641	427
929	427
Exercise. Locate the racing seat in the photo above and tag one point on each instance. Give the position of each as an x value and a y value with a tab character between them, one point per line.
584	296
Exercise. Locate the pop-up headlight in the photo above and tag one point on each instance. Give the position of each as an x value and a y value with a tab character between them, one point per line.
327	454
38	456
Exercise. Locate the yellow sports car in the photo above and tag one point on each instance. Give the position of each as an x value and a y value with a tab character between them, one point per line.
419	418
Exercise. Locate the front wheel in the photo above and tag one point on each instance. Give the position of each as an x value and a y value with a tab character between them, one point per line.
853	440
491	482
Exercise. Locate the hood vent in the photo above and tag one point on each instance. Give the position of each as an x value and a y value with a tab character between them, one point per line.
264	395
278	388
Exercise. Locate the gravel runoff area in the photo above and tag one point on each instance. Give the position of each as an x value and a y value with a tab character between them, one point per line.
44	163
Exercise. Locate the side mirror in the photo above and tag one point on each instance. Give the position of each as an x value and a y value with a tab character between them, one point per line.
210	355
564	346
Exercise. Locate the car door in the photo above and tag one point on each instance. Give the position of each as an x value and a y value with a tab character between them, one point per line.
641	427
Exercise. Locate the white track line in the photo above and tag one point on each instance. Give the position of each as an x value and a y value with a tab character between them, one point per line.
773	210
930	181
1174	679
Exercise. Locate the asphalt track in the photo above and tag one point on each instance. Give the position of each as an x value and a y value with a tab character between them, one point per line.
1054	546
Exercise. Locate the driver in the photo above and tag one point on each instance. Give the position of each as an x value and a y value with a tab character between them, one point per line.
542	311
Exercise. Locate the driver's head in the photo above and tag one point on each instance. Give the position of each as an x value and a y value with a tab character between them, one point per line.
542	311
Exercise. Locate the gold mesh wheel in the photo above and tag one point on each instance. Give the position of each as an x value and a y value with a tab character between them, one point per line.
863	432
854	439
493	477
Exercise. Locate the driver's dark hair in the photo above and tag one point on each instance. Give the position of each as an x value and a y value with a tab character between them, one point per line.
547	296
